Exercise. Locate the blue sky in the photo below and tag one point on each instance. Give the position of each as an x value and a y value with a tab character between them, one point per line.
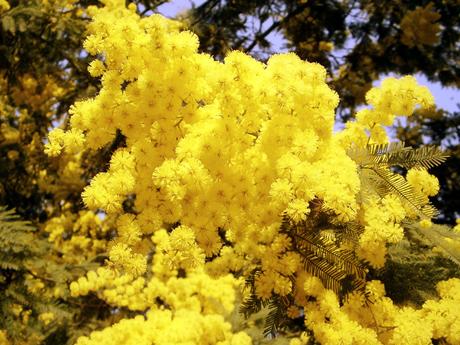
446	98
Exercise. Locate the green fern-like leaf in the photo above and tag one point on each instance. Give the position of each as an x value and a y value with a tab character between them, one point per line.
16	237
425	157
396	154
376	162
338	263
412	270
252	304
368	156
350	232
324	248
276	316
322	269
441	237
327	260
384	182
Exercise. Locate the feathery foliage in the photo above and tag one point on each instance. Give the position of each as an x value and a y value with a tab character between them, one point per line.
325	253
20	256
26	269
397	154
442	238
384	182
413	269
327	260
276	305
251	304
277	315
16	236
377	162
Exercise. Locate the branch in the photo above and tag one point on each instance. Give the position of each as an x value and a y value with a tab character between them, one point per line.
275	25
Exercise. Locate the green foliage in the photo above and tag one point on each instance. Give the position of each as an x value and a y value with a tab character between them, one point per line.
377	161
20	254
414	266
321	246
386	182
277	315
26	268
16	237
274	310
440	128
441	237
325	257
252	304
255	322
397	154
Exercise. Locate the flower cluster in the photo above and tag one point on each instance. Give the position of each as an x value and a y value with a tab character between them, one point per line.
395	97
270	158
215	154
4	5
77	237
166	327
405	325
382	218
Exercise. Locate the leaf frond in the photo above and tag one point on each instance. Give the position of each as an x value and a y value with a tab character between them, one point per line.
385	182
441	237
330	263
276	316
397	154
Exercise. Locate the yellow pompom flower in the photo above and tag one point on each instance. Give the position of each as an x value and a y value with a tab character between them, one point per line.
4	6
46	318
